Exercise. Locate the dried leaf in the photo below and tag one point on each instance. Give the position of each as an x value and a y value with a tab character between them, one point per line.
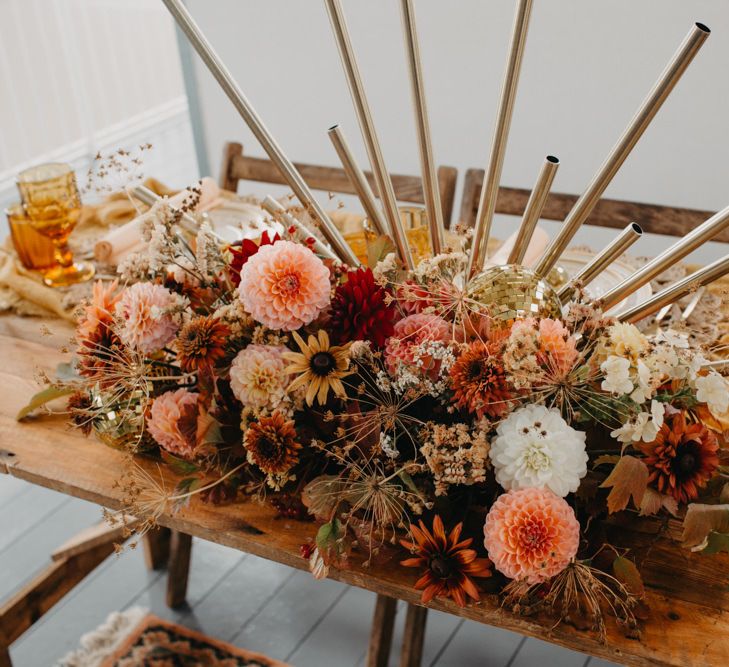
700	520
653	501
42	397
380	248
322	495
627	573
628	478
606	458
715	543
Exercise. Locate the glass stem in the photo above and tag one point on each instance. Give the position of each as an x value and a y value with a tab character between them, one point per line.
63	255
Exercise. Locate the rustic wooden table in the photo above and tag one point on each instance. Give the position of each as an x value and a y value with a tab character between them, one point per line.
687	593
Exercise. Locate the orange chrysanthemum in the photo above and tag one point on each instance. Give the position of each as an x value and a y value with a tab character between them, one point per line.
272	445
479	380
449	563
201	343
682	458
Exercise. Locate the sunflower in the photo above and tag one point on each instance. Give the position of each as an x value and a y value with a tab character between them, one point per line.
479	380
319	367
272	445
201	343
682	458
449	564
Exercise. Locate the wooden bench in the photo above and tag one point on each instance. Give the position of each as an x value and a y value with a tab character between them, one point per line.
686	592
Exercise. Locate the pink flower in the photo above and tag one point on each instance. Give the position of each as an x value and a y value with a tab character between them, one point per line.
100	310
147	320
284	286
406	347
531	534
558	348
257	376
173	422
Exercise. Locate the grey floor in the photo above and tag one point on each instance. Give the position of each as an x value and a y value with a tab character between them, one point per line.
242	599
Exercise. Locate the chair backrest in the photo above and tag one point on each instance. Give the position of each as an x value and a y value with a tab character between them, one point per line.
239	167
613	213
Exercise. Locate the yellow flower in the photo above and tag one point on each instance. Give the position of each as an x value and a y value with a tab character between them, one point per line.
319	367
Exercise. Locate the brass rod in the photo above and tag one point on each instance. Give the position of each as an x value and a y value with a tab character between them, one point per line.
697	237
254	122
490	187
602	260
146	196
679	289
645	114
364	116
358	180
431	193
277	209
534	208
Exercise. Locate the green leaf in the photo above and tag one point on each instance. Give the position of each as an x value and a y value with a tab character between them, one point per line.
715	543
42	397
327	536
178	465
66	372
627	573
380	248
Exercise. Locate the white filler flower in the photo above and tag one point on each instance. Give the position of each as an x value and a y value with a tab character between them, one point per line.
535	447
712	390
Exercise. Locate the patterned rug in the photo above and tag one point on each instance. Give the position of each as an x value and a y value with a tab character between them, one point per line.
139	639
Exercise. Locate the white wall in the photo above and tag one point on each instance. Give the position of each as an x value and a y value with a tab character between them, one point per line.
79	76
588	64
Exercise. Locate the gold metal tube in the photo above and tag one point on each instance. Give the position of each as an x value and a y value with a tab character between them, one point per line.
251	118
657	96
358	179
427	161
700	235
490	187
602	260
679	289
534	208
277	210
146	196
719	365
364	116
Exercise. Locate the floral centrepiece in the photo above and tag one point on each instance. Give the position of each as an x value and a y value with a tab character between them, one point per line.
391	408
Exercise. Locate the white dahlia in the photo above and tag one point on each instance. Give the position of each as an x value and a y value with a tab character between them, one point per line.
535	447
257	376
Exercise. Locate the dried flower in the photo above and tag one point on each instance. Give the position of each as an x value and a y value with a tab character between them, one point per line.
272	444
319	367
258	377
535	447
448	562
712	389
284	286
173	422
145	311
360	309
201	343
531	534
682	458
479	381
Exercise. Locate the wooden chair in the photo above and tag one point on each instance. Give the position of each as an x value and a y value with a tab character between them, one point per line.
239	167
612	213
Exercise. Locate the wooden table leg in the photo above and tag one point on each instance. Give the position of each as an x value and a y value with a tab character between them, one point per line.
383	622
413	636
5	658
179	568
157	548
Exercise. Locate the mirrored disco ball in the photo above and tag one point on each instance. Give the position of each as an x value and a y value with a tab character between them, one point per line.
512	292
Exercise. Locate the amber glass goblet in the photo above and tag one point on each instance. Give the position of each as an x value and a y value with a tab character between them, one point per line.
53	205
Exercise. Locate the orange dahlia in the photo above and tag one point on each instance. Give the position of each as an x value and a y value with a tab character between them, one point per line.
449	564
272	445
479	380
201	343
531	534
682	458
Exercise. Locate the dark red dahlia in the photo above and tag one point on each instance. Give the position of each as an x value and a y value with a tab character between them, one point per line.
360	310
243	250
